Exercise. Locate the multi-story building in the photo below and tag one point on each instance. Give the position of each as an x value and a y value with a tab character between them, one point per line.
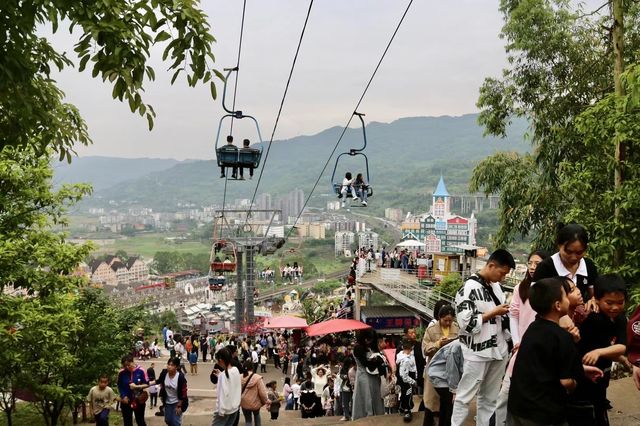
368	239
343	241
313	230
393	214
112	271
441	230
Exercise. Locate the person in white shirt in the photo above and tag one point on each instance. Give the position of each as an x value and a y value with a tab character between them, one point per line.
181	353
229	390
347	185
484	330
255	359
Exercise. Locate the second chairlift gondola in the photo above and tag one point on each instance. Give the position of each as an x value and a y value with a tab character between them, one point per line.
336	184
230	155
223	262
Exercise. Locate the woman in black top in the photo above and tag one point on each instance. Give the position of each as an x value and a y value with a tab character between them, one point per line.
572	242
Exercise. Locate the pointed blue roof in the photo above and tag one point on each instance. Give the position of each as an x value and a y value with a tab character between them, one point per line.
441	189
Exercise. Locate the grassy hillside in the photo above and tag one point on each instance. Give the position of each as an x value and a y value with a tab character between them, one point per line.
105	172
406	157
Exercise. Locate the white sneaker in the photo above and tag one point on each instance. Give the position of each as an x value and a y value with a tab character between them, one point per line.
355	199
364	203
344	203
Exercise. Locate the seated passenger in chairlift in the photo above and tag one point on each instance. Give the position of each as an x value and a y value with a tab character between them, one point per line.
229	147
361	186
245	147
227	260
347	186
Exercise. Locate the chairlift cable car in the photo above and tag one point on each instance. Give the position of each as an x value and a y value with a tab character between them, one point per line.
219	268
232	156
336	185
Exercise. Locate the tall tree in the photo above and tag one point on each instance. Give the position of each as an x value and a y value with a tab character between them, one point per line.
561	63
115	41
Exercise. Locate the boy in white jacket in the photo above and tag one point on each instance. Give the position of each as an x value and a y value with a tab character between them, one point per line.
408	372
481	314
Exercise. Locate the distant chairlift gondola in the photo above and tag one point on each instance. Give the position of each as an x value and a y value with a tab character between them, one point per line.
234	156
223	261
336	183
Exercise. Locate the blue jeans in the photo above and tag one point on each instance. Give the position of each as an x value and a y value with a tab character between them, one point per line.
252	417
227	420
170	416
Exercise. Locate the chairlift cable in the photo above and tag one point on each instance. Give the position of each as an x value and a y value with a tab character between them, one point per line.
235	86
275	126
235	91
344	130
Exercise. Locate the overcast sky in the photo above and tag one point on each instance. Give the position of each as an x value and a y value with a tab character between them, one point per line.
435	66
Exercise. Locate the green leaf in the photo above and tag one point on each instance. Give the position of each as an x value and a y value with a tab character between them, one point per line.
162	36
214	92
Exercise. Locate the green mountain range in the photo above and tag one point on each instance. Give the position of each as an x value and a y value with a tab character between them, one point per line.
406	158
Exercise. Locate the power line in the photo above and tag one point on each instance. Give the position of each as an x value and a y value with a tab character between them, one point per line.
235	86
344	130
275	125
235	91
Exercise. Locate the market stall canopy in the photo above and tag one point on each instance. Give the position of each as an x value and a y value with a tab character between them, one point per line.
285	321
411	243
335	326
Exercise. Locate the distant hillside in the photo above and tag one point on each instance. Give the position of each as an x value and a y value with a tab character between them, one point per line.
105	172
406	158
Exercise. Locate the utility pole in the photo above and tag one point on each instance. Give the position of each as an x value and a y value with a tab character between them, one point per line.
617	33
239	314
250	283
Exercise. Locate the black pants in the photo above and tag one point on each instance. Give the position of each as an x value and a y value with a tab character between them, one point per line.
263	368
204	354
153	399
446	406
274	415
406	397
128	413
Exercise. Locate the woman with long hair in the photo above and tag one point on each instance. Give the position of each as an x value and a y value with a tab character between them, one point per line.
253	394
229	390
570	261
367	395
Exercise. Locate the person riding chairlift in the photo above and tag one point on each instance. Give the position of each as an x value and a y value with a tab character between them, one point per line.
230	147
347	185
361	186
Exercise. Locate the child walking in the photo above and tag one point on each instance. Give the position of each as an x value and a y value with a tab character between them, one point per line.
390	394
101	398
263	362
193	362
408	373
274	400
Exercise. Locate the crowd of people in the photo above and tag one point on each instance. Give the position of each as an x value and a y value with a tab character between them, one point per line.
543	358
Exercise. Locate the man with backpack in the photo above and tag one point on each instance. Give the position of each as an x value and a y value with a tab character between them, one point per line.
484	331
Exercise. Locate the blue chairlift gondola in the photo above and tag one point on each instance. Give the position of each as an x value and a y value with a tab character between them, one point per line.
336	185
232	156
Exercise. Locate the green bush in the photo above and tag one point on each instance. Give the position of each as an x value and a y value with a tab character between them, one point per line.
450	284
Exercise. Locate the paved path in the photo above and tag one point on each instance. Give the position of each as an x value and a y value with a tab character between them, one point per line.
624	396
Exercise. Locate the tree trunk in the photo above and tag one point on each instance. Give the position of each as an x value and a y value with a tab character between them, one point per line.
9	417
621	149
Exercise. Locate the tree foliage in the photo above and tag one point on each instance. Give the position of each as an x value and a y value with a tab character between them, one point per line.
560	78
115	42
172	261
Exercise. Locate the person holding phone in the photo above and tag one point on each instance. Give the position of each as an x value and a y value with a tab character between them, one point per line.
444	331
481	311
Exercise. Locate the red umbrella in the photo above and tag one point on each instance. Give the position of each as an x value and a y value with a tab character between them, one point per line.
285	322
335	326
